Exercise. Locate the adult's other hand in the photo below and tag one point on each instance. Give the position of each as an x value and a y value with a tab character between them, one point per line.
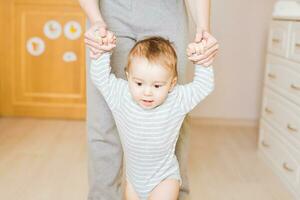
204	49
98	39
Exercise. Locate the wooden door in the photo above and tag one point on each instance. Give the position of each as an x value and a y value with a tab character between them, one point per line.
43	59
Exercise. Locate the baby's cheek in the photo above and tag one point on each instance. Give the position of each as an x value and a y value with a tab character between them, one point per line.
162	95
136	93
132	90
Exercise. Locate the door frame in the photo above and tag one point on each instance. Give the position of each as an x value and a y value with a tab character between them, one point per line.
6	8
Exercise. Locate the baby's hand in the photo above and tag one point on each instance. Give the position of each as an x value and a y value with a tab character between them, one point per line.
195	49
105	44
108	42
196	53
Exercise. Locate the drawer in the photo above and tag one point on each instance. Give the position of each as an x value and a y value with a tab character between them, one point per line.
278	38
284	76
282	114
280	154
294	47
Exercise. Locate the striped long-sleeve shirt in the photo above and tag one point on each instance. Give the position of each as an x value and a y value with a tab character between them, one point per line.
149	136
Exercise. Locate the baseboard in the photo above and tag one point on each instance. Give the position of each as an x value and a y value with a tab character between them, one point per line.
224	121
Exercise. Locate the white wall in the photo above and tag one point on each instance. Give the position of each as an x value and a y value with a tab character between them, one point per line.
241	28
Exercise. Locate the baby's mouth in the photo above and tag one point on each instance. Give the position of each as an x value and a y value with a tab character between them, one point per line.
147	102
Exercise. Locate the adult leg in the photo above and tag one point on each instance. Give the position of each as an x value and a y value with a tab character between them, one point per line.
182	145
182	152
104	147
180	39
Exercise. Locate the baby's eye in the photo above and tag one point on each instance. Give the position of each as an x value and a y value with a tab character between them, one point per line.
157	86
139	84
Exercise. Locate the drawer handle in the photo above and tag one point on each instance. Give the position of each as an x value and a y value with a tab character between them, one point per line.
269	111
291	128
275	40
285	166
265	144
295	87
272	76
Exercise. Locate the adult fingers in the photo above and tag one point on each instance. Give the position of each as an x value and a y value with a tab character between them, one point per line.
209	59
91	37
94	50
96	32
204	58
101	48
98	46
92	43
210	41
198	57
212	48
107	47
208	63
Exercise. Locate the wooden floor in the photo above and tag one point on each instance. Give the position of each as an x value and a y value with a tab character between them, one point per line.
46	160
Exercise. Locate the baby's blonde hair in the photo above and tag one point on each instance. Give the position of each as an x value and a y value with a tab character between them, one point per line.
156	50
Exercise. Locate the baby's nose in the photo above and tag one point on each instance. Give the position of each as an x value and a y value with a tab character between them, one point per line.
148	91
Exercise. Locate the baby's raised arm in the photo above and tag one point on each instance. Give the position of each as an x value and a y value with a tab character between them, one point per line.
112	88
193	93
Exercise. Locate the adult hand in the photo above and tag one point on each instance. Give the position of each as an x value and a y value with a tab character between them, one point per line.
98	39
204	49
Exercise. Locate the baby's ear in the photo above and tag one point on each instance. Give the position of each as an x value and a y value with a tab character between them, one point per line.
173	83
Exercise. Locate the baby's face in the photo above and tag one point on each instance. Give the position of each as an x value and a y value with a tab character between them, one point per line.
149	84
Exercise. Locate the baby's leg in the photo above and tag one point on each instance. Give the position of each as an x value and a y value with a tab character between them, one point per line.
130	193
168	189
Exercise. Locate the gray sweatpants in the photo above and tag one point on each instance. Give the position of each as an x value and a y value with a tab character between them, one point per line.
131	20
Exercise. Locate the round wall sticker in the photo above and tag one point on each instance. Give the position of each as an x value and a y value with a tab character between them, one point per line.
52	29
35	46
72	30
69	56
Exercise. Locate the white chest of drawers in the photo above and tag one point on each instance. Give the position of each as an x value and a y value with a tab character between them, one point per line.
279	131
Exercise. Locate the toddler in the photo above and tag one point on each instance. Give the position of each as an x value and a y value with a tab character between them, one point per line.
149	109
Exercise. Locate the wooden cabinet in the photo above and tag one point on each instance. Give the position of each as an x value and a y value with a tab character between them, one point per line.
279	132
44	70
278	36
294	50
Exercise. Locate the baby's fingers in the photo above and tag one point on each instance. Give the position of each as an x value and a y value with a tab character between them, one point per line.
105	41
110	37
199	47
191	49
